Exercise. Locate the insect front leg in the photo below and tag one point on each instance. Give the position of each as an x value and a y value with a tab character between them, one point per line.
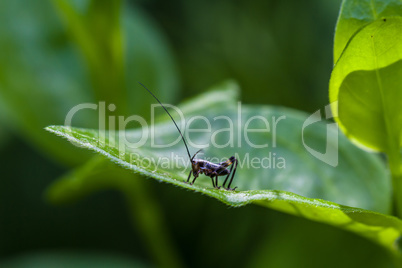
195	176
213	183
189	176
213	174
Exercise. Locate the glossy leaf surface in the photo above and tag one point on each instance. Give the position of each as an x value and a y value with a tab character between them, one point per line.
365	86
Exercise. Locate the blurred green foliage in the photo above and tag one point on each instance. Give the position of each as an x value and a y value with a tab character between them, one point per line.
54	55
278	51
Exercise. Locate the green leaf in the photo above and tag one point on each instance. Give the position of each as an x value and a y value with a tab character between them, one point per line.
356	14
365	86
359	179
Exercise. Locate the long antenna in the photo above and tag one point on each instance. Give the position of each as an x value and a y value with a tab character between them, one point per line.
188	152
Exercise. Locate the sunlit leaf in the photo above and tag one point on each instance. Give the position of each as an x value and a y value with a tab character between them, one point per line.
357	13
365	86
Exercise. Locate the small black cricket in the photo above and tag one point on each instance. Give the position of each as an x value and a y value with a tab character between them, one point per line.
200	166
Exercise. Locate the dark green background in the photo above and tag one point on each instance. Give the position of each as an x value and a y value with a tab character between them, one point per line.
280	52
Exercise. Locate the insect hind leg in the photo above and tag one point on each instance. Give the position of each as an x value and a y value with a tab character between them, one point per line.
231	174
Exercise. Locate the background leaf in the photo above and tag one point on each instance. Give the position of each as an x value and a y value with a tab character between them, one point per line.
42	75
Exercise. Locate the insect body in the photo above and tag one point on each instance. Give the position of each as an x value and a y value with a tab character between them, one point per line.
213	171
199	166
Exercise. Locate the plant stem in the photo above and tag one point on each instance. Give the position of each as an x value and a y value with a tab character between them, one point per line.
395	165
146	216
